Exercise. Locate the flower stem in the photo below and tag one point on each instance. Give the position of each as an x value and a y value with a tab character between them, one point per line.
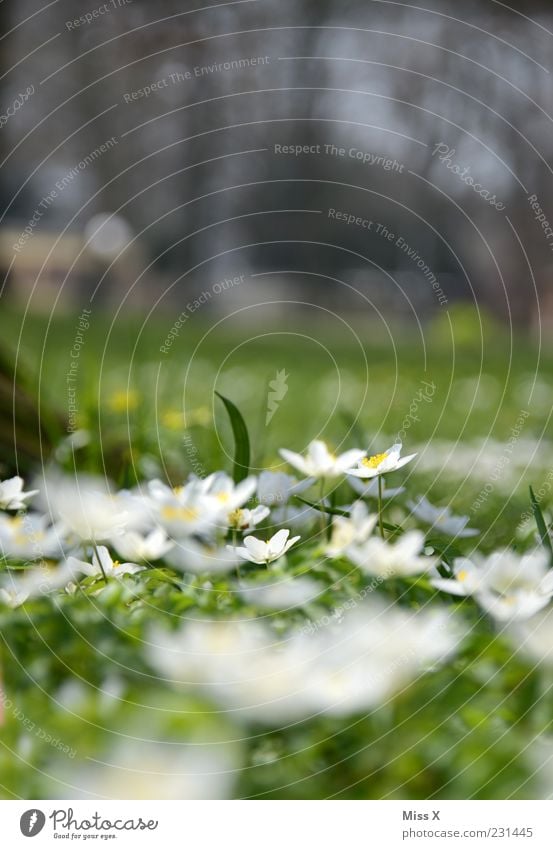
321	501
97	553
380	523
234	545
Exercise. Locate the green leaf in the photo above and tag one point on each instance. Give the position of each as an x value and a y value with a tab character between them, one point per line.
540	522
241	440
331	511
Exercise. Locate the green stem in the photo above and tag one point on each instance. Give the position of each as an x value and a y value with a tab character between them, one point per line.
97	553
234	545
321	500
332	504
380	523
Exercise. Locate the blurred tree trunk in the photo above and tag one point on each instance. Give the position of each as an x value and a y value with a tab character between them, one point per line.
26	434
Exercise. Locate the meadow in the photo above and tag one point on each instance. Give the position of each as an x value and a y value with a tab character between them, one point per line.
400	648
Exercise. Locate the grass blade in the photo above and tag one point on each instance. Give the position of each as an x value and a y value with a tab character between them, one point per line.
540	522
241	440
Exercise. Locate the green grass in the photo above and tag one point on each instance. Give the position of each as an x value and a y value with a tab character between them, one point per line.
153	413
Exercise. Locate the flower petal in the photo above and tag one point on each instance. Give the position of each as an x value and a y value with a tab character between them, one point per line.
295	460
277	543
256	547
349	458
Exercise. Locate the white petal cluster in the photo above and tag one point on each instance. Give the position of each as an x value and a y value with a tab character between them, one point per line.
30	537
507	585
534	637
441	519
346	668
320	462
281	594
351	531
152	769
102	565
86	509
18	587
383	559
380	464
12	496
261	552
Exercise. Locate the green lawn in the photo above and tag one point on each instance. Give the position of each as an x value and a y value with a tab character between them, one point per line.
74	665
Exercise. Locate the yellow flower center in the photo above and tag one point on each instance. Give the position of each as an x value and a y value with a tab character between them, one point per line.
374	461
116	563
463	575
236	518
223	497
22	538
186	514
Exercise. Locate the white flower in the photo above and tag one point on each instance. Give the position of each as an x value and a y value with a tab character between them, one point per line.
274	489
281	595
354	530
320	462
386	560
152	769
102	565
243	519
370	489
505	584
441	519
374	652
514	586
201	506
190	556
30	537
138	509
467	578
263	553
237	664
20	586
381	464
12	496
13	596
225	495
183	511
135	546
341	669
534	636
85	508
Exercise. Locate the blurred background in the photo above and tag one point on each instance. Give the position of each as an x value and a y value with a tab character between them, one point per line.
357	194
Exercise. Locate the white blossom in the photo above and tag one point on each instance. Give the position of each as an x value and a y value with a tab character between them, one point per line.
319	462
380	464
12	496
